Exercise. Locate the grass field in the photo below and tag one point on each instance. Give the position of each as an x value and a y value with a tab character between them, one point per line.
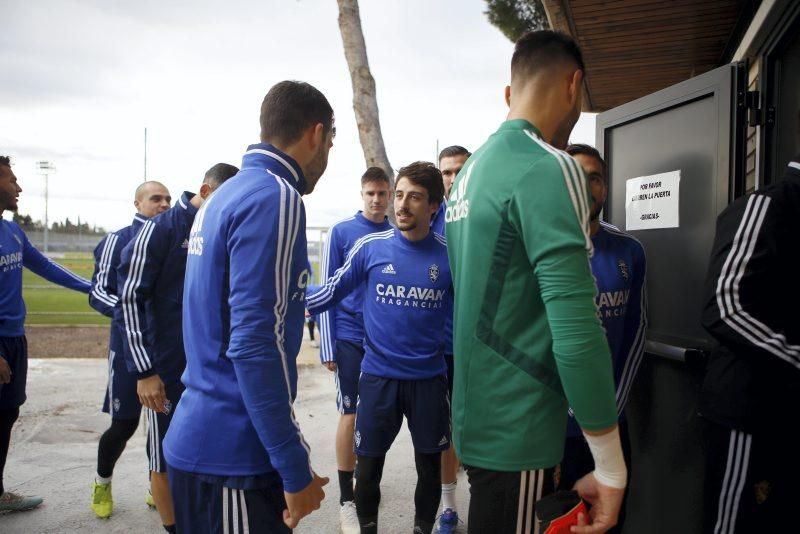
51	304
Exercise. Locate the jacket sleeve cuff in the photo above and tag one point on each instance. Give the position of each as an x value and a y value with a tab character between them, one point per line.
145	374
296	473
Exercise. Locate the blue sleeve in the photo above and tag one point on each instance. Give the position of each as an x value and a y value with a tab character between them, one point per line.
260	247
635	329
139	267
331	261
50	270
103	296
342	283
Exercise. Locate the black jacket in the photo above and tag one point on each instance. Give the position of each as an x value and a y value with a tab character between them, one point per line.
752	309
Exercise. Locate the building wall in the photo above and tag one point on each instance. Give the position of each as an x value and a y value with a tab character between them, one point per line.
751	152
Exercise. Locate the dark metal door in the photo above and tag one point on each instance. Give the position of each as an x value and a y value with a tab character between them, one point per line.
781	85
694	129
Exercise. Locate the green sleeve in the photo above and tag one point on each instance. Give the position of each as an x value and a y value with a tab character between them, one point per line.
549	209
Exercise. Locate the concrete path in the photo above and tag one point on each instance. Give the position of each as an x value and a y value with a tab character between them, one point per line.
54	447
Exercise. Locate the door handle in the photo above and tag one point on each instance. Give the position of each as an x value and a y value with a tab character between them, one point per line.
673	352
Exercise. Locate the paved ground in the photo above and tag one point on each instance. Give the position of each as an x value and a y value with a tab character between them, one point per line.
53	452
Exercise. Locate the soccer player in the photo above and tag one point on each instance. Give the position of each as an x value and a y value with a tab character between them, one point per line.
342	331
451	161
619	268
752	381
407	289
236	458
121	401
311	324
17	252
151	273
527	337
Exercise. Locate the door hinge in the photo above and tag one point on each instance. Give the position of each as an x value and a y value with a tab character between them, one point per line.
755	117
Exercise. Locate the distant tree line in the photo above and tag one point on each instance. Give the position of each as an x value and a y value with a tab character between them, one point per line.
66	227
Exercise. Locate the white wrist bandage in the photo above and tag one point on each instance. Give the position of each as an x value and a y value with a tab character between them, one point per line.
609	464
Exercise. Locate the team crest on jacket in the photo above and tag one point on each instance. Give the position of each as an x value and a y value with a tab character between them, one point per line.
623	269
433	272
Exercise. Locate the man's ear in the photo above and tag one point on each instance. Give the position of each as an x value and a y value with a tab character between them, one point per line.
575	85
316	136
508	95
205	190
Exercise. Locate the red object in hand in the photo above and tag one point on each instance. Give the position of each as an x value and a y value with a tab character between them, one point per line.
559	511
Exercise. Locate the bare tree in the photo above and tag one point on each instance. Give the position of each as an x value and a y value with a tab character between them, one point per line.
365	102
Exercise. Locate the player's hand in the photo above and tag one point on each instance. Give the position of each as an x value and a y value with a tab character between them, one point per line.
5	371
330	366
605	503
152	393
304	502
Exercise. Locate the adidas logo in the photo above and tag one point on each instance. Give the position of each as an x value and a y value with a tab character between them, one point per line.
185	243
389	269
443	441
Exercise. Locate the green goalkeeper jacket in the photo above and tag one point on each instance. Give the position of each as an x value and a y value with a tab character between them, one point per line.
528	342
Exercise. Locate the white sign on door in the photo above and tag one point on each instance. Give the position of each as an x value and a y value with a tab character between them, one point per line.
653	201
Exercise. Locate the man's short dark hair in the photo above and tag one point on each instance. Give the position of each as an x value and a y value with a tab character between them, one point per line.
375	174
543	49
453	151
289	109
425	174
218	174
587	150
5	161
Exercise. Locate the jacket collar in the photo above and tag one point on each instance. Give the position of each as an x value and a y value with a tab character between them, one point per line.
270	159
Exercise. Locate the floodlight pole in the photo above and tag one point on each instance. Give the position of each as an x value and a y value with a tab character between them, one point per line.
145	155
45	168
46	221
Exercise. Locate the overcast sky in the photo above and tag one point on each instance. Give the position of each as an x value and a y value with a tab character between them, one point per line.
81	79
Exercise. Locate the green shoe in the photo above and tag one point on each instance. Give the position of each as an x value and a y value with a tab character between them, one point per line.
11	502
148	499
102	502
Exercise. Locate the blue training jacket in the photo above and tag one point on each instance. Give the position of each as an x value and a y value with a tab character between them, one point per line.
104	296
243	303
619	268
345	321
151	271
17	252
407	294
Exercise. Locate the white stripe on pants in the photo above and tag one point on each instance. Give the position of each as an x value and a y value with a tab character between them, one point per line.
733	482
233	500
153	440
531	484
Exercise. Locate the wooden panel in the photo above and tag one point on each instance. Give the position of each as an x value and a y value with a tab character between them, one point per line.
623	9
635	47
676	12
751	173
